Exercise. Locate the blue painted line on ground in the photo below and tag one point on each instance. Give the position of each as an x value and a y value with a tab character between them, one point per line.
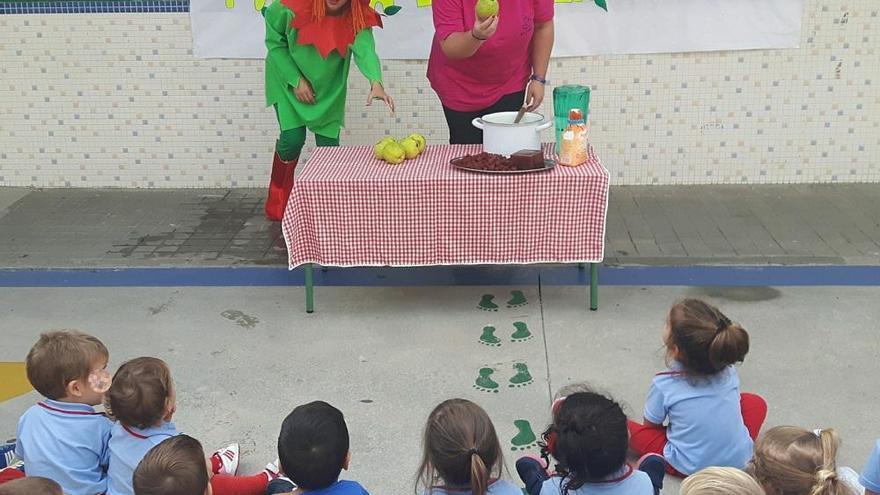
445	275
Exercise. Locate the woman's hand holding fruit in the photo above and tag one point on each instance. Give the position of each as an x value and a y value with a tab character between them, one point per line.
484	28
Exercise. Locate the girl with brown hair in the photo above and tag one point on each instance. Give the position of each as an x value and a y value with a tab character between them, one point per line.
795	461
461	453
709	422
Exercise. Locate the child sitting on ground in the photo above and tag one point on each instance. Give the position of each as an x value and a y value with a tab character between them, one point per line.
62	437
870	478
461	453
142	400
32	485
174	467
710	422
794	461
588	439
720	481
313	451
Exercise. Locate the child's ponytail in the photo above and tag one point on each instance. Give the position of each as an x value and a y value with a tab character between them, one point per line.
827	481
729	345
460	449
704	340
479	474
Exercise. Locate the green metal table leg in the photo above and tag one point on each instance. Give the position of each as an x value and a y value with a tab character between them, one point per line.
310	289
594	286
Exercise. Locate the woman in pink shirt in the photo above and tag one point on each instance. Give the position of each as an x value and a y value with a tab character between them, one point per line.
490	65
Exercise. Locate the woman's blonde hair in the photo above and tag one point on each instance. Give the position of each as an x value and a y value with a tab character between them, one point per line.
790	460
721	481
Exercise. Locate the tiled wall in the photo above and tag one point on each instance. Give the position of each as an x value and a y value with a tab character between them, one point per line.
116	99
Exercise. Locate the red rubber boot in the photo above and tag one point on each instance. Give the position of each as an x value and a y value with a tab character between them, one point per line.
280	186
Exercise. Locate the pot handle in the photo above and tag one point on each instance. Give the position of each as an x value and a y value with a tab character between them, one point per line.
545	125
478	123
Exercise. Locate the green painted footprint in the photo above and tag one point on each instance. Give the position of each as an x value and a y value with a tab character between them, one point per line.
517	299
522	332
488	337
486	303
485	383
522	376
525	438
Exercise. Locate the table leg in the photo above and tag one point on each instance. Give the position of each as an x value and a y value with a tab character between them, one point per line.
594	286
310	289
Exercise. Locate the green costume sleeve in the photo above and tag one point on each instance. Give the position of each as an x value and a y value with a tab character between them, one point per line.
364	51
278	57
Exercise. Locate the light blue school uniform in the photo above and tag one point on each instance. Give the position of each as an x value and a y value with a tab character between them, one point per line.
128	445
705	419
870	477
627	481
497	487
65	442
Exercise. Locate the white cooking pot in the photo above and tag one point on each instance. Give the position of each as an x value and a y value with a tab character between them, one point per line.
502	137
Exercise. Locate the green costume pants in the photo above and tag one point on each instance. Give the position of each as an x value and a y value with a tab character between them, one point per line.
290	143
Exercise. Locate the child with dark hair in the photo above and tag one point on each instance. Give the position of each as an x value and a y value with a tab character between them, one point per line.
313	451
461	453
709	422
174	467
142	399
588	439
32	485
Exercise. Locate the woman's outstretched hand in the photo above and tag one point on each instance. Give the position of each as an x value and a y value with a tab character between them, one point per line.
378	93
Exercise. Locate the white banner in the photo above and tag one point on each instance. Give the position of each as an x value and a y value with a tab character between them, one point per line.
234	28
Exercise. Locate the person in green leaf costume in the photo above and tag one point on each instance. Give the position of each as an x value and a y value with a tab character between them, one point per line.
310	45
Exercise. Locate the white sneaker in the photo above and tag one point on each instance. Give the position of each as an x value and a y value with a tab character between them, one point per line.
229	458
273	469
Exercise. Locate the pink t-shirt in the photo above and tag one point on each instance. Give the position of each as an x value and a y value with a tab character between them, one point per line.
500	67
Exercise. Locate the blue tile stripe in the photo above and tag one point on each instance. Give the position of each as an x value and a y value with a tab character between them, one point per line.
724	276
93	6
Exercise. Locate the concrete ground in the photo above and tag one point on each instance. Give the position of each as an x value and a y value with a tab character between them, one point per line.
242	358
648	225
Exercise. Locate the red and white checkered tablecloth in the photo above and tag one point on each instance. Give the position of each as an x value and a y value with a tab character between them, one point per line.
349	209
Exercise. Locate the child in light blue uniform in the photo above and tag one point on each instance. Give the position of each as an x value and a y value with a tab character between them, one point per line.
709	422
462	454
175	466
142	400
128	445
589	440
63	438
870	477
791	459
313	451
